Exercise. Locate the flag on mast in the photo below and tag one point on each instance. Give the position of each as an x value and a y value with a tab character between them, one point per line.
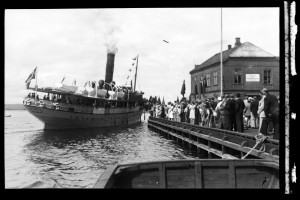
183	88
30	77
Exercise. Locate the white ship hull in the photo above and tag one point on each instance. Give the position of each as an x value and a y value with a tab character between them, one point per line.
60	119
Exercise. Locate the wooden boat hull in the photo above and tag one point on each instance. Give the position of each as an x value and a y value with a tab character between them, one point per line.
60	119
201	173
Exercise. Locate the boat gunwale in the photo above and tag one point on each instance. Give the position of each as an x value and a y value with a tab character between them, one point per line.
107	177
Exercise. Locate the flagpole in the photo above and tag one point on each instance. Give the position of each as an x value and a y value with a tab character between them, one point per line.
36	81
137	62
221	56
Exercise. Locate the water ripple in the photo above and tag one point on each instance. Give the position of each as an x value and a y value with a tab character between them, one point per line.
76	158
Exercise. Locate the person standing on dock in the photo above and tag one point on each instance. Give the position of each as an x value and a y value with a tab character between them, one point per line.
271	110
171	112
253	110
247	111
217	110
192	113
263	125
239	108
225	113
186	113
232	112
179	113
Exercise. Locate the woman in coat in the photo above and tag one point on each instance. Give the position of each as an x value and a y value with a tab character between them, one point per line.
192	113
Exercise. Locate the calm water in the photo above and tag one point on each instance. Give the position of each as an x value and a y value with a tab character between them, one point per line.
75	158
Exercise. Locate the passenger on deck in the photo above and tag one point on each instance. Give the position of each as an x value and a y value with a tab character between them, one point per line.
101	84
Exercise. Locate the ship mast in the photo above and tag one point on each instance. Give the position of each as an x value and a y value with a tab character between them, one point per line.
137	62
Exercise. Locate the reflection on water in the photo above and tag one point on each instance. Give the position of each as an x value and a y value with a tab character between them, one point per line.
76	158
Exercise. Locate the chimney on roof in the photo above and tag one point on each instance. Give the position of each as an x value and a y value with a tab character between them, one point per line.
237	42
229	46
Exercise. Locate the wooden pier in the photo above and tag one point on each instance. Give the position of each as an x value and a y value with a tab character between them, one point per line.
213	142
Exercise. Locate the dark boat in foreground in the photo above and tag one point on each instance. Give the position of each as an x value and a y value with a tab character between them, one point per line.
199	173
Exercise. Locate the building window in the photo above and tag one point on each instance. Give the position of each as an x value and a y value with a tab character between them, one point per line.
208	79
238	76
215	78
267	77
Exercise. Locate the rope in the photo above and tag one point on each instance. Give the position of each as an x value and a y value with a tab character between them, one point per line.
260	138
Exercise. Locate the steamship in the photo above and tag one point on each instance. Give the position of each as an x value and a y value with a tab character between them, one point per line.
100	105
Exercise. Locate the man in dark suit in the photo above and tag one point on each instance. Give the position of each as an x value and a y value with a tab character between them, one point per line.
239	108
225	113
232	112
271	110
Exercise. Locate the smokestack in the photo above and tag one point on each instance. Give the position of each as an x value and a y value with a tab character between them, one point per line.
109	67
229	46
237	42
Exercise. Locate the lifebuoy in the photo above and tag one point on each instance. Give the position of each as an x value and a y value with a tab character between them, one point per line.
56	106
28	102
41	103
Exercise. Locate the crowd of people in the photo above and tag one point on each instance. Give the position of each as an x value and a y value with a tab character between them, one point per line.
228	112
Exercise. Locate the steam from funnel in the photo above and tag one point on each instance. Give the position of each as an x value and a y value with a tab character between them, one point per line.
111	48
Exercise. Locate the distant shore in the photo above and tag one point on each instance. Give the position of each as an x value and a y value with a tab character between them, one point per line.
14	107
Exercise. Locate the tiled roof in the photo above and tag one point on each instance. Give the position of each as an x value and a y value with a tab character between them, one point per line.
244	50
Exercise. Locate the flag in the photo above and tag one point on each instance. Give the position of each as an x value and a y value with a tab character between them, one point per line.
31	76
155	99
196	89
134	58
183	88
132	64
130	70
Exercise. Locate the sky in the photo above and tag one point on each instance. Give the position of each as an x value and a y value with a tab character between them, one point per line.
74	43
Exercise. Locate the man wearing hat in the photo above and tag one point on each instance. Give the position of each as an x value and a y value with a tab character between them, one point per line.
217	110
271	110
225	113
247	112
239	108
232	112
